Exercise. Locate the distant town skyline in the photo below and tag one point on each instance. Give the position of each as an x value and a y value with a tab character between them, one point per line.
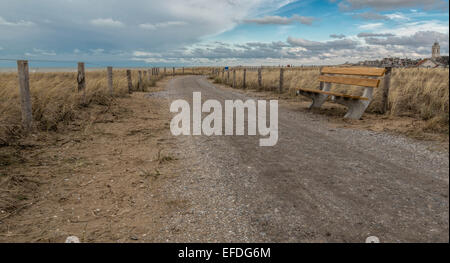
208	32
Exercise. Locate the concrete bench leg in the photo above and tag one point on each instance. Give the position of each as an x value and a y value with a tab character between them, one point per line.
356	108
317	98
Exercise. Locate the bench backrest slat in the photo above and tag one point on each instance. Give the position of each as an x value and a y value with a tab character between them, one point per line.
350	81
360	71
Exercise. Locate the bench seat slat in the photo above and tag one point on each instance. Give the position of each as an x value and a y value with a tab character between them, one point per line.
351	81
375	72
333	94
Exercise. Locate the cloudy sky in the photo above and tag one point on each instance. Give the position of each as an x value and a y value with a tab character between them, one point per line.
225	32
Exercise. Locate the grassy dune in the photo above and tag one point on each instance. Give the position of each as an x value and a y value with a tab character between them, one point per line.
55	100
414	92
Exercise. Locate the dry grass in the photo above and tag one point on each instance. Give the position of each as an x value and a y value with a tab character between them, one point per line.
55	100
417	93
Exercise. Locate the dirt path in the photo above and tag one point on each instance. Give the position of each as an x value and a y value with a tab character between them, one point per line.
125	178
318	184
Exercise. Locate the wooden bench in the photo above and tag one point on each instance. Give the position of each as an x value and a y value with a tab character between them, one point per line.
356	104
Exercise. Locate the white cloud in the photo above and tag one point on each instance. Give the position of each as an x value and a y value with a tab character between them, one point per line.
149	26
397	16
145	54
4	22
106	22
97	51
44	52
280	20
371	26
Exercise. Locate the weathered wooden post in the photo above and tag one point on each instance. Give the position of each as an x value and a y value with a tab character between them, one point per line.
81	80
281	80
243	81
25	97
386	87
228	76
109	71
149	75
223	73
183	70
173	71
259	78
130	82
164	71
234	78
140	84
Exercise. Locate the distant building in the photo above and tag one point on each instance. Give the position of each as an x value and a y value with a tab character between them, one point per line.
436	50
427	63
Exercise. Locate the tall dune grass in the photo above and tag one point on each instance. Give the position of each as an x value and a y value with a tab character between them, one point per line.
55	100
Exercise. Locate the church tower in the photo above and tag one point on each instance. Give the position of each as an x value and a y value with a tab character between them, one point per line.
436	50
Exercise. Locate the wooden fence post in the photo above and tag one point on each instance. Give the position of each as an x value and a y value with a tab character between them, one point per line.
130	83
140	85
149	75
281	80
259	79
81	80
109	71
223	74
386	87
245	75
164	71
228	75
25	97
183	70
234	78
173	71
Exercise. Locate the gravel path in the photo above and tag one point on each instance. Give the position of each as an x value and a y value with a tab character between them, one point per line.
318	184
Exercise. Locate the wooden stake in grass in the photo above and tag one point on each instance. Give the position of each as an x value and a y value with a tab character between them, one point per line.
234	78
173	71
243	81
109	71
164	71
130	82
259	78
281	80
183	70
149	75
25	98
140	84
386	87
228	76
81	80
